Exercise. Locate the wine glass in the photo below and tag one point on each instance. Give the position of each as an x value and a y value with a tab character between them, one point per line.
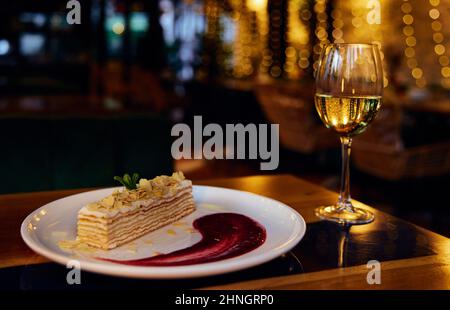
349	86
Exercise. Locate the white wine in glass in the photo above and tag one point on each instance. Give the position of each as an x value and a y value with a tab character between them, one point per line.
349	86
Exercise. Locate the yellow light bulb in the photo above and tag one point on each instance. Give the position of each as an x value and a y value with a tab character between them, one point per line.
445	72
257	5
417	73
434	13
118	28
408	19
439	49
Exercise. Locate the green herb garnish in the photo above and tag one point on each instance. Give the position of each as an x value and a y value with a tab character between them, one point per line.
127	181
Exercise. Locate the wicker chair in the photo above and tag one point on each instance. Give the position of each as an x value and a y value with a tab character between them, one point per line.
300	129
381	152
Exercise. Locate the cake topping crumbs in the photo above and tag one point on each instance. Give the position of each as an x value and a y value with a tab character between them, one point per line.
145	189
131	248
75	245
171	232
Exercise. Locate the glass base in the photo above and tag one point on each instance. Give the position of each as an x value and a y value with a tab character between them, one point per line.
353	216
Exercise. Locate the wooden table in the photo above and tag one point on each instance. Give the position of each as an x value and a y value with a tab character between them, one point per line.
329	257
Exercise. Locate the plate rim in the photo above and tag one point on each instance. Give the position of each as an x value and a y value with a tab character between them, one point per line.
167	272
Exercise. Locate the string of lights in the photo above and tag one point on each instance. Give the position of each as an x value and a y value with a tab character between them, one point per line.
321	29
275	38
261	31
297	41
376	35
338	23
279	44
212	14
305	49
243	40
410	43
439	38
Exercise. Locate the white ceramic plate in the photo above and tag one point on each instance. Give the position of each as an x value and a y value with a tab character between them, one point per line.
56	221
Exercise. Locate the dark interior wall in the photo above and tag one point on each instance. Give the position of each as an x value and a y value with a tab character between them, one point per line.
47	153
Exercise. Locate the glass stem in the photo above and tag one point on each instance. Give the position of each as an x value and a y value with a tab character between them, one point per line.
344	195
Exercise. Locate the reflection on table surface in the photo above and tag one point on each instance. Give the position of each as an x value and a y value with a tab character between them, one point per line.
325	246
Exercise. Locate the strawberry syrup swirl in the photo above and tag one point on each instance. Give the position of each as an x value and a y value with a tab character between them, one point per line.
224	235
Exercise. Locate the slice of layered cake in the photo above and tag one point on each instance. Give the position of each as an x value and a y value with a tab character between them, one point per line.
127	214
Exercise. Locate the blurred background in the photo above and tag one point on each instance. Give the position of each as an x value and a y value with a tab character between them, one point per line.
82	103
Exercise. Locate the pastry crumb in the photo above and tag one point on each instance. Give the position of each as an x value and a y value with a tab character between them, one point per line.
171	232
76	245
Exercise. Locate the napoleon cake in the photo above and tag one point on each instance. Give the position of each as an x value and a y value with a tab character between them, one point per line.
135	210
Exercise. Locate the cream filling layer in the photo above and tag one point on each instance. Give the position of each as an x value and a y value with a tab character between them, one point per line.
138	231
108	230
183	195
125	223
